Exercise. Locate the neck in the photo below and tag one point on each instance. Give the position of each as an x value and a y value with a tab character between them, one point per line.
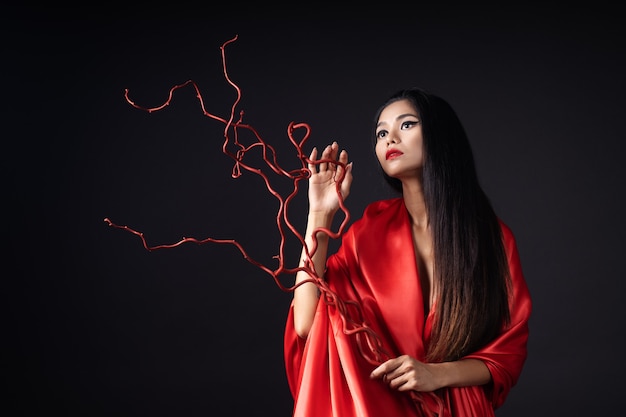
413	196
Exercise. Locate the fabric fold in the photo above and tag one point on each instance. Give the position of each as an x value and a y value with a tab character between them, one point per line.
375	268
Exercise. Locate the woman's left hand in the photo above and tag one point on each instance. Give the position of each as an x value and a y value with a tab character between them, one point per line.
405	373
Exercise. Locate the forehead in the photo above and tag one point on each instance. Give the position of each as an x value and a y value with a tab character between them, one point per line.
395	109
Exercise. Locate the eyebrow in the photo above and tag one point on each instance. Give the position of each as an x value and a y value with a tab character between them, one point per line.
401	116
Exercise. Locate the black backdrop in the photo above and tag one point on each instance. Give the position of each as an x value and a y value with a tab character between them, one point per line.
97	325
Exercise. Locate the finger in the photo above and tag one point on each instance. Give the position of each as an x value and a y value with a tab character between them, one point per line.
325	155
343	156
387	367
312	157
404	386
347	181
343	160
334	150
379	372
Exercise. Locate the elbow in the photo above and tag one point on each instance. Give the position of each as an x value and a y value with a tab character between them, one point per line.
302	327
304	308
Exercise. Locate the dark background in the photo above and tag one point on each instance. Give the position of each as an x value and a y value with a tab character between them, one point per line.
99	326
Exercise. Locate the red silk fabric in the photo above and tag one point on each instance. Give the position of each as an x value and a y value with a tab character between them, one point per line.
375	266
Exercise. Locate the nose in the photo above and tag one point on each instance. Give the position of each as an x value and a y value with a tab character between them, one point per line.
391	138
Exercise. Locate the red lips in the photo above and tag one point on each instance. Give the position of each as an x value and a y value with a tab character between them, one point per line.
392	153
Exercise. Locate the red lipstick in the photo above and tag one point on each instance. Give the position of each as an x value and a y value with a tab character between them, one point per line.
392	153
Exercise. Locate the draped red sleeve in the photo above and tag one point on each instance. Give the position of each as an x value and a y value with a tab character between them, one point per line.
375	267
505	355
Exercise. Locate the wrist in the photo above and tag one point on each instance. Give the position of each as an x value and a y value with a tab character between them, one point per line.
320	218
440	373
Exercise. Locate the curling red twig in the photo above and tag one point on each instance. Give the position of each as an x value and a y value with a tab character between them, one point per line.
368	342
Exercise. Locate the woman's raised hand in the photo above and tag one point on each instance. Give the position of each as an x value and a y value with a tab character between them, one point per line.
323	195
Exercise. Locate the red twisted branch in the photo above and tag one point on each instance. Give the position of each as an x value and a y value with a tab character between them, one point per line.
368	342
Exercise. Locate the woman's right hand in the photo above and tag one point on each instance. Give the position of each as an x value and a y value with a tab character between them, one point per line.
323	195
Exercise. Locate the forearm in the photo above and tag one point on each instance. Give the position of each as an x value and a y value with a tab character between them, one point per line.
306	295
462	373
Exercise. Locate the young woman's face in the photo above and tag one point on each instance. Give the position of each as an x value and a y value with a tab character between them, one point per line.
399	140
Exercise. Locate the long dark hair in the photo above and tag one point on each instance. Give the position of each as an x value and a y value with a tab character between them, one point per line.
471	272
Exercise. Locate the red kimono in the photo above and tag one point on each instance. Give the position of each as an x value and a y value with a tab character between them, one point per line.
375	265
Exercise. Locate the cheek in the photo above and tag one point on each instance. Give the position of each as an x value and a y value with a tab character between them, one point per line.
380	152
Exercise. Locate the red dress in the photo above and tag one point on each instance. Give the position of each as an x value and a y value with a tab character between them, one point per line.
375	265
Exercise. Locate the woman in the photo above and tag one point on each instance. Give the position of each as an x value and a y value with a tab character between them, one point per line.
424	309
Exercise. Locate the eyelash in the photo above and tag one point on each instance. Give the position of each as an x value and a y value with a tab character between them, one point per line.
402	126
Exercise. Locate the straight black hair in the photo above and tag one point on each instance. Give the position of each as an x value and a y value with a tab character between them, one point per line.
471	273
